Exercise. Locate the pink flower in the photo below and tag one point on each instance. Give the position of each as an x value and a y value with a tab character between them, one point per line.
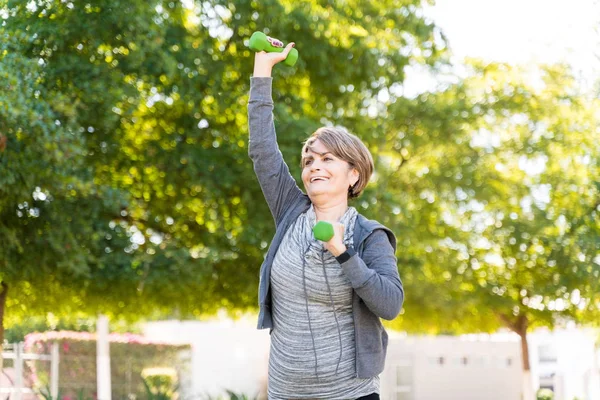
36	339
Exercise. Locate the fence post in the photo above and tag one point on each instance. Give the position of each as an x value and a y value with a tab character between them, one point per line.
103	358
54	362
19	370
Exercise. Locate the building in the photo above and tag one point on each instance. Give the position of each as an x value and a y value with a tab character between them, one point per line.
469	367
566	361
233	355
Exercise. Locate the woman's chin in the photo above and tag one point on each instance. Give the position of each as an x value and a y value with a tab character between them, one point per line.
318	193
323	194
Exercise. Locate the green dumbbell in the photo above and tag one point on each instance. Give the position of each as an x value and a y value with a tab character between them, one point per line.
259	42
323	231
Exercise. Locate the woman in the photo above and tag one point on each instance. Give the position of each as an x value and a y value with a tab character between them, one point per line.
322	300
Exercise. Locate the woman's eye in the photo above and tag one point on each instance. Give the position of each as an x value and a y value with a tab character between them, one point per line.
328	159
307	162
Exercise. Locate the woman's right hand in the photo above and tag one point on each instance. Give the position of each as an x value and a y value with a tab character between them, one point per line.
264	62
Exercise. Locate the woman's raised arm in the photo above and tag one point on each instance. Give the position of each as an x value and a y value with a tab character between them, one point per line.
276	182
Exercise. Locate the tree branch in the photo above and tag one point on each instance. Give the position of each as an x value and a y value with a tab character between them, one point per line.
507	321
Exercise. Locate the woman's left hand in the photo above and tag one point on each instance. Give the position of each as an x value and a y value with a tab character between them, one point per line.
336	245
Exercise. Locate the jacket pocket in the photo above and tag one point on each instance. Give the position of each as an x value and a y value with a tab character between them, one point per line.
372	338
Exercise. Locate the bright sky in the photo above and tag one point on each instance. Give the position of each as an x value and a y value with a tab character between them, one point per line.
519	31
522	30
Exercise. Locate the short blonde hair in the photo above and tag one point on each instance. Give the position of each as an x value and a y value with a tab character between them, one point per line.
347	147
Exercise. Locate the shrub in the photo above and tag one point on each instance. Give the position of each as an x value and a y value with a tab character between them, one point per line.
160	383
545	394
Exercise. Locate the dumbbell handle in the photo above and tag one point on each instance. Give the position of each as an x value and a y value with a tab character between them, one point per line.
261	42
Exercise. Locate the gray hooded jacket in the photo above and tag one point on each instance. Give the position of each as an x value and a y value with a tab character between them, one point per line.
372	272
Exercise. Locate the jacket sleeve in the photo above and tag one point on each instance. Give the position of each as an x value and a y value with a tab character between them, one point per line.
375	276
276	182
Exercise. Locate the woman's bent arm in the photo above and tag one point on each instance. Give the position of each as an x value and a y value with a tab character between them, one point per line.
375	276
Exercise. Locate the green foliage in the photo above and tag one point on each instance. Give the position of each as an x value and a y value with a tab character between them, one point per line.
125	186
159	386
46	395
239	396
233	396
508	205
130	118
545	394
79	322
44	392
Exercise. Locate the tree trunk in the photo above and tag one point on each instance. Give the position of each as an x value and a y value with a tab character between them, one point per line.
3	293
521	329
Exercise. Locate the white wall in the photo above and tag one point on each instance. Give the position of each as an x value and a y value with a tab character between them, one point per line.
461	368
575	370
226	355
230	355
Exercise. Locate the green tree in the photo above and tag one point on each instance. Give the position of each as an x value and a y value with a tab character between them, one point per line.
125	185
498	193
130	118
51	211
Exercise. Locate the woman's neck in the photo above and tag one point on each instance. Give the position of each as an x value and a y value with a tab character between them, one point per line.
330	211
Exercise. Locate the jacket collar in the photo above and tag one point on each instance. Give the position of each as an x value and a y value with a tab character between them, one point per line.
362	229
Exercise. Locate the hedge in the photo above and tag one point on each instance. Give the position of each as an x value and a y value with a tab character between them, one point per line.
130	354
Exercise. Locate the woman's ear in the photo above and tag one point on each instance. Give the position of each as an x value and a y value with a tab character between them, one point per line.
354	175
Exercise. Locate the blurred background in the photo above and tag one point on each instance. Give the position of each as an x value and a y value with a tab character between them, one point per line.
128	203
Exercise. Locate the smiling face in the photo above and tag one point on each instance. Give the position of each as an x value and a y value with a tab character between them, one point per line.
326	176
